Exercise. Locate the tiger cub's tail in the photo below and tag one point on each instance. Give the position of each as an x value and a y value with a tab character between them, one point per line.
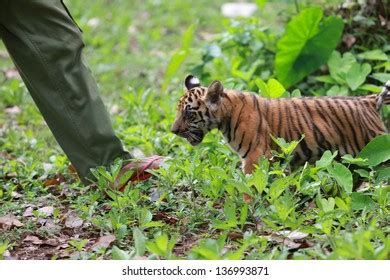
384	96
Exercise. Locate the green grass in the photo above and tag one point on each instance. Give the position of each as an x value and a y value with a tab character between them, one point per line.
197	206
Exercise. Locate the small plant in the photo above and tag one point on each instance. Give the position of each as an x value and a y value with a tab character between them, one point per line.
161	246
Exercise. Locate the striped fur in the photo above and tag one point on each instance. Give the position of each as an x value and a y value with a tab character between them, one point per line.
247	120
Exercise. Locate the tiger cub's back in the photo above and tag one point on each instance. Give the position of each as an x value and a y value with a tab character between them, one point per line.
346	124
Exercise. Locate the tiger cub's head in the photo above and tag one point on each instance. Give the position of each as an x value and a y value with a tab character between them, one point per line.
198	110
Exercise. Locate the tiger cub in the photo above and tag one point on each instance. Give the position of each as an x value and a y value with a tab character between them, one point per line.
247	120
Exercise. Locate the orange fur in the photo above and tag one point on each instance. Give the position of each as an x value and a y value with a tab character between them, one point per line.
247	120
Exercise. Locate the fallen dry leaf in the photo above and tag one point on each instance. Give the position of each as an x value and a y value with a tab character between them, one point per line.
33	239
9	221
293	235
291	239
161	216
235	235
28	212
103	242
50	225
47	210
51	242
73	221
285	241
54	181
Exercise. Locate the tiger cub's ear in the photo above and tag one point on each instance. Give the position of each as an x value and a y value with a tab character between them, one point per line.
191	82
214	92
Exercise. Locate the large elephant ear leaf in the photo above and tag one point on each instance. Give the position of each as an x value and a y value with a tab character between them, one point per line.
306	44
377	150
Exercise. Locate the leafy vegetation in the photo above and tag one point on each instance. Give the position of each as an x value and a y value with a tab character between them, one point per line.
200	205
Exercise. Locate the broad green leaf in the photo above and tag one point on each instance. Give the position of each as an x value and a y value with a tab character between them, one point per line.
154	249
362	173
118	254
139	241
361	201
337	91
286	147
383	173
275	89
160	245
224	225
377	150
341	204
326	159
241	187
382	77
278	186
340	65
259	177
342	175
357	75
153	224
325	79
350	159
125	177
326	226
144	216
296	93
271	89
208	249
306	44
162	242
326	205
230	210
262	87
373	55
370	88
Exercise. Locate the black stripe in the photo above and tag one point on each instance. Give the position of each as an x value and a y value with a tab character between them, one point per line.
228	130
306	151
255	102
242	140
288	123
318	135
354	138
246	153
336	125
207	113
279	128
227	97
238	122
354	109
259	126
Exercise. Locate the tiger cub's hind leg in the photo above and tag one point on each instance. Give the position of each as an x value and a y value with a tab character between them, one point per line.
249	163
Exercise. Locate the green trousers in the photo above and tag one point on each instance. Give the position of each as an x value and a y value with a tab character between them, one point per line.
46	47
